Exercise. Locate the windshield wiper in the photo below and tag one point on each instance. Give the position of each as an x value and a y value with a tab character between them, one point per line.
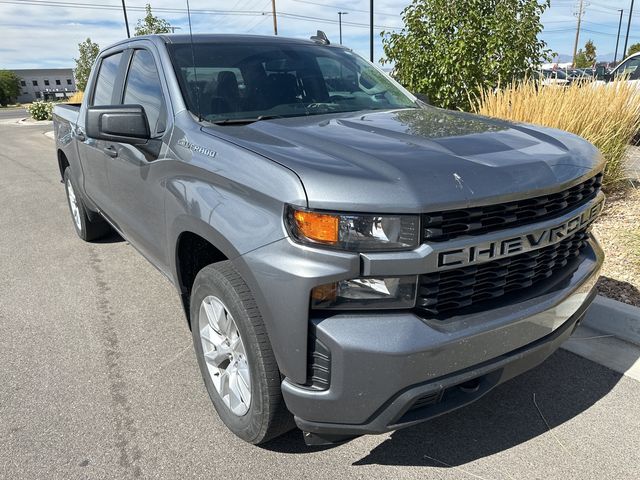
245	121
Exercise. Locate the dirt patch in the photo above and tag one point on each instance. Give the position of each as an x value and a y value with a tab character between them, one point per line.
618	230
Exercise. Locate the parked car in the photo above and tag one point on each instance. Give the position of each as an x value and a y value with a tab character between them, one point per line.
350	260
580	75
627	70
556	78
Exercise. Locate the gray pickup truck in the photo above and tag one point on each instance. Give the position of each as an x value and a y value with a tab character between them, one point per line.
350	259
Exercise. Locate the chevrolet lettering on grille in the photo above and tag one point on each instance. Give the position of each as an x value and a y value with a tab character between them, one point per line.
470	255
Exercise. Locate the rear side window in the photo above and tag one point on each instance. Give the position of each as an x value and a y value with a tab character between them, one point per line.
106	81
143	88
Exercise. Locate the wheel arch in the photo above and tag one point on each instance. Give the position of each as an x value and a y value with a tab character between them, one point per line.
196	246
63	162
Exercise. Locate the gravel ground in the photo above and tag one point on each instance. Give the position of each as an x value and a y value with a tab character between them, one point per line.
618	230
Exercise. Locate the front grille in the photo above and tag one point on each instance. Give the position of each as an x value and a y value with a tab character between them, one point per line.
463	287
445	225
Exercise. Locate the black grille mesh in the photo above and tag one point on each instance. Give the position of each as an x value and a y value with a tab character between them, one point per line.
462	287
445	225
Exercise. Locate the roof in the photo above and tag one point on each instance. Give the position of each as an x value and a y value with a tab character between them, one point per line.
230	38
42	71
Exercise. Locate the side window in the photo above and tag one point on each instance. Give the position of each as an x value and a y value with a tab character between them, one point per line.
106	81
630	69
143	88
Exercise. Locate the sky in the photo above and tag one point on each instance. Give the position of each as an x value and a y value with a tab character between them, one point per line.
46	33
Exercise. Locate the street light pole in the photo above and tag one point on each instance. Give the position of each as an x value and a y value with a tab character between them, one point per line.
126	22
626	40
275	18
371	31
340	23
615	55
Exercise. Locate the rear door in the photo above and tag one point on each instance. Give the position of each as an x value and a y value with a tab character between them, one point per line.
96	155
136	172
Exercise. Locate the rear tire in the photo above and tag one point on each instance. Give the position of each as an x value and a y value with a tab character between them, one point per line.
88	227
233	348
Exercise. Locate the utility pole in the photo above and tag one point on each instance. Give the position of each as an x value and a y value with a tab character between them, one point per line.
126	22
371	31
626	40
615	55
275	18
340	23
575	45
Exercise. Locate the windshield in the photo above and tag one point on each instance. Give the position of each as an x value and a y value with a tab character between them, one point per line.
248	81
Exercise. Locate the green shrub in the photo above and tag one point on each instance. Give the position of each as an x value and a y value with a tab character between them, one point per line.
40	110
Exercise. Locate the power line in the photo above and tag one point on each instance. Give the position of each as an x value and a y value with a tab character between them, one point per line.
66	4
103	6
334	7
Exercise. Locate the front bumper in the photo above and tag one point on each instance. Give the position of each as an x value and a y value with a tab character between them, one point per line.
392	370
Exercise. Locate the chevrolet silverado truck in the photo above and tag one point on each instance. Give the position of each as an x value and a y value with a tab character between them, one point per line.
350	259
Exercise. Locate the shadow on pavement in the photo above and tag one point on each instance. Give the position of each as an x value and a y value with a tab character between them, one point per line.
564	386
112	237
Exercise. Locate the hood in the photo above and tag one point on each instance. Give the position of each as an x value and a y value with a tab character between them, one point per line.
417	160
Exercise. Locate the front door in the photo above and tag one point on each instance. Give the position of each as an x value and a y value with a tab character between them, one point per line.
136	172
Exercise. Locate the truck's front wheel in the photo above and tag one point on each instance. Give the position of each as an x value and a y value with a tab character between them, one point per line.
235	355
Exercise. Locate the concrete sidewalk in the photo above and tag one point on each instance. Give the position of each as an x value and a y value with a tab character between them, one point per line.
610	336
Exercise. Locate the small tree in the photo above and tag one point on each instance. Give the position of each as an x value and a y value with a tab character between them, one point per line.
586	58
88	52
9	87
635	48
151	24
450	50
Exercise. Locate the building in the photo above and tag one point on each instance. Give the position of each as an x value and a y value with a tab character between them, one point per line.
45	84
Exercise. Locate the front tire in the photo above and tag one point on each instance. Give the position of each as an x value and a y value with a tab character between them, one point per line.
235	356
87	227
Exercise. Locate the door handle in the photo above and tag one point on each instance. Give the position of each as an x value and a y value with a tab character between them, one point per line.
111	151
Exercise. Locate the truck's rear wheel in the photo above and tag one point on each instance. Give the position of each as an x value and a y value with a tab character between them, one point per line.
235	356
87	227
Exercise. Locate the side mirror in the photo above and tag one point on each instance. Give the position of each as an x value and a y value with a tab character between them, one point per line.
423	97
118	123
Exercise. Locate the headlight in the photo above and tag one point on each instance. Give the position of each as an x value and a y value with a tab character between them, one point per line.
366	293
360	233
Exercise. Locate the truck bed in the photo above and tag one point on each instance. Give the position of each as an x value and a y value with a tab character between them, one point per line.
67	112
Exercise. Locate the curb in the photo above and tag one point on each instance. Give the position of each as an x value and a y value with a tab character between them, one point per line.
614	318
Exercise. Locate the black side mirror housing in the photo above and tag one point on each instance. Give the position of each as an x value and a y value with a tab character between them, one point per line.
423	97
118	123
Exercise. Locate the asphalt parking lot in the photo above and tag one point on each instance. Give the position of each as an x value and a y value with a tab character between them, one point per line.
98	378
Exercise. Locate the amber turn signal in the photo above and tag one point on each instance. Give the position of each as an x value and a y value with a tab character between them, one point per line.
318	227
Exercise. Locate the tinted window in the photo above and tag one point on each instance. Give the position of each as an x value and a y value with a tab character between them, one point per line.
57	82
35	83
106	80
630	69
244	81
143	88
